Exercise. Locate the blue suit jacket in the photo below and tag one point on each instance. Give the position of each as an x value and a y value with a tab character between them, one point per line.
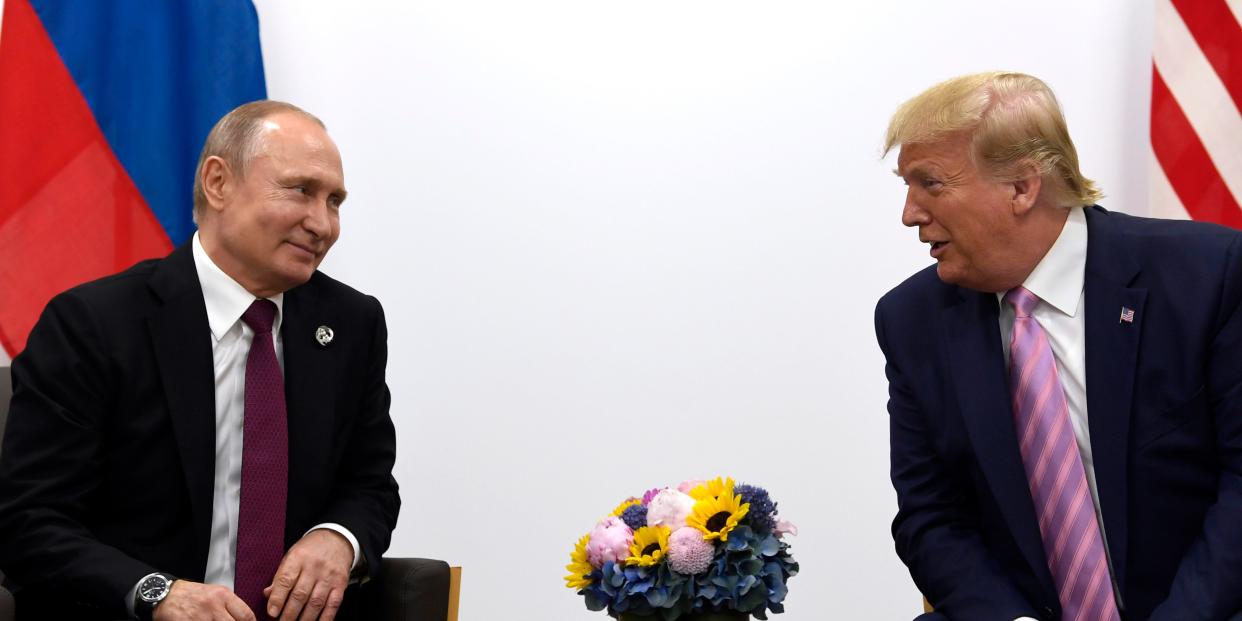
1164	402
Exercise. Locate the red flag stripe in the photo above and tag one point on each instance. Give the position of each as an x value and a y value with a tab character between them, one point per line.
1200	93
1190	170
1216	30
68	210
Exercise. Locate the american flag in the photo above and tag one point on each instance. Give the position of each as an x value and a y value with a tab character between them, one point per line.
1196	123
1127	315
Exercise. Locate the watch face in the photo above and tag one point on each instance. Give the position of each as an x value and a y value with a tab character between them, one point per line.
153	589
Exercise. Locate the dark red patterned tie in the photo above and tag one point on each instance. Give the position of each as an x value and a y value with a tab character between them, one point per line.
265	464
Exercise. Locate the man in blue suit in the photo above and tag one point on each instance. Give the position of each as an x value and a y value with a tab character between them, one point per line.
1138	324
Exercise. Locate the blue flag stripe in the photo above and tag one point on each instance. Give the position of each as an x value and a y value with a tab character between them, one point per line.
157	75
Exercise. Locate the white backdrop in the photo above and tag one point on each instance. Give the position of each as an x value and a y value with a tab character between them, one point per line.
625	243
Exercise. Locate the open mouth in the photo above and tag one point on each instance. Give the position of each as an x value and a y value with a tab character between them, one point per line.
937	248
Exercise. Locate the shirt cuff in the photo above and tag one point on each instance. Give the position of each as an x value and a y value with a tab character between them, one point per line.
1025	619
344	532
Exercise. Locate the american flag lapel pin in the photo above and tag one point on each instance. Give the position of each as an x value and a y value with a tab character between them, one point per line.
1127	315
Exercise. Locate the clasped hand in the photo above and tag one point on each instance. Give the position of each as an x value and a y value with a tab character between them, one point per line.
309	584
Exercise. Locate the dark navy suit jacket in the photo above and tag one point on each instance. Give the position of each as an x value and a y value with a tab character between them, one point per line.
1164	403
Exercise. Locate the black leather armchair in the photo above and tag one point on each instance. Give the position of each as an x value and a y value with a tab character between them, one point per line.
412	589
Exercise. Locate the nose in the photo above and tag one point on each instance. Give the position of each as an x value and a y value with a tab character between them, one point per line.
911	213
318	220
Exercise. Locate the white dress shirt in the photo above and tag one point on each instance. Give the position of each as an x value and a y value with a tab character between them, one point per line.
226	300
1058	282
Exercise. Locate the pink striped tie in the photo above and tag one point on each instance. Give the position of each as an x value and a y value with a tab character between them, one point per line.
1073	545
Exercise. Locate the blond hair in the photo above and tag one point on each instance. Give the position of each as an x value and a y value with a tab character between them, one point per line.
1014	121
235	139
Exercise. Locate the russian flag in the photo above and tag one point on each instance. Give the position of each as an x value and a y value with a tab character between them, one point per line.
104	106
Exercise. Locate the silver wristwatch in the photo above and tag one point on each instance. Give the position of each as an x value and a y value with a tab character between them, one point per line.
152	590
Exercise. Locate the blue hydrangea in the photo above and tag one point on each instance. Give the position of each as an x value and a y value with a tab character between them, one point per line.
635	516
762	514
749	574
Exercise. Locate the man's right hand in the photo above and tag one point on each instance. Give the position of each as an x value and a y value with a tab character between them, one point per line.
192	601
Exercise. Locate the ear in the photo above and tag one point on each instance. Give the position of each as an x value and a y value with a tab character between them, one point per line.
1025	190
217	182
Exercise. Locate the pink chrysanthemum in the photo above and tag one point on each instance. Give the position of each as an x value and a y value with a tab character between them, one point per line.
688	552
610	541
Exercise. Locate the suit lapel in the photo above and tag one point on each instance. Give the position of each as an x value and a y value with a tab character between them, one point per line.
310	389
181	339
972	338
1112	356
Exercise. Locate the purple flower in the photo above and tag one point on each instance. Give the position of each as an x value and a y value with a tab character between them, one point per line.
610	541
688	552
635	516
651	493
762	514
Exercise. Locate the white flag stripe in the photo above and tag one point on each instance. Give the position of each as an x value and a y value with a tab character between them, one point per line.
1236	7
1200	93
1163	200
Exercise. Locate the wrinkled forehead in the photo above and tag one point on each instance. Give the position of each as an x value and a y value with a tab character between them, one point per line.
947	151
299	143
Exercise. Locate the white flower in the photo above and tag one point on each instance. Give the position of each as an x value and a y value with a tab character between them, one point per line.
669	508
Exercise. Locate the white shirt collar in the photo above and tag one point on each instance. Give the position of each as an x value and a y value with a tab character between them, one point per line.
1058	278
225	298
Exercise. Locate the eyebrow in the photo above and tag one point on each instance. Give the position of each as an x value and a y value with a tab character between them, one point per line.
915	170
341	193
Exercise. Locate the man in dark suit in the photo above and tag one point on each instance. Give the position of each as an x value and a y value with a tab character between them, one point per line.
1065	383
207	436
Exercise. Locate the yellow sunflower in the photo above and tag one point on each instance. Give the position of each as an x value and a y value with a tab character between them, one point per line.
717	517
713	489
629	502
649	547
579	569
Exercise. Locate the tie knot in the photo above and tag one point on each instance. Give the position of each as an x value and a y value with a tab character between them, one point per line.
260	316
1022	300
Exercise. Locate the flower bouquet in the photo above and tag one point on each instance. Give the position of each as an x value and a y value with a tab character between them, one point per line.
704	549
